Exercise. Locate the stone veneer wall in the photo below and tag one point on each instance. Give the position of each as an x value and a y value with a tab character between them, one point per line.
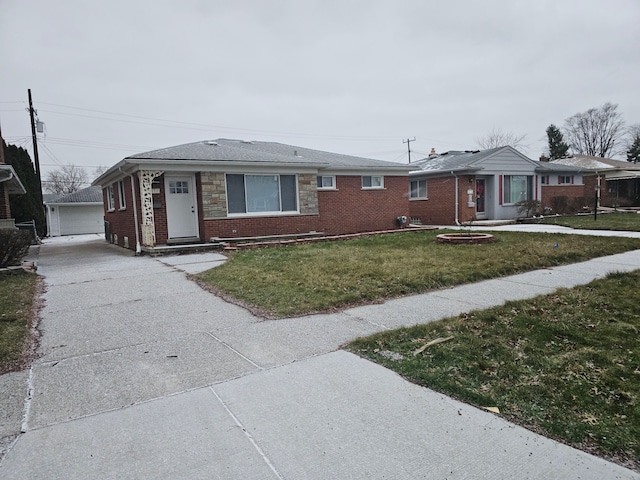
308	192
214	196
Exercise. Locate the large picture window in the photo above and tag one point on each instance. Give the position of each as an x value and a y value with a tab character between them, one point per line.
261	193
517	188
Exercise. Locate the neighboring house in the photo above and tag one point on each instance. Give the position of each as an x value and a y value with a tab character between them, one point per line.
461	186
10	184
618	180
219	189
77	213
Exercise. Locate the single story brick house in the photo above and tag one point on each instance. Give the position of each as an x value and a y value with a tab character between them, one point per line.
461	186
225	189
77	213
618	181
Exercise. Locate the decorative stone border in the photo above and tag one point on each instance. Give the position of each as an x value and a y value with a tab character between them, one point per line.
465	238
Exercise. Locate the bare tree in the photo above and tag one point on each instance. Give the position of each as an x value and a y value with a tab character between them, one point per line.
498	138
65	180
99	170
596	132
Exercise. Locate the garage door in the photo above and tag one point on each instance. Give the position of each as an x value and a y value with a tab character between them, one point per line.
79	220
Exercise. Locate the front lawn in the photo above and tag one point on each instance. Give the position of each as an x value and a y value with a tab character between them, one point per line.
17	294
566	365
296	280
628	222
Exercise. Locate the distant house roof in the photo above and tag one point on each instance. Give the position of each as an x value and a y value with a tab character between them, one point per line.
86	195
471	161
595	163
211	153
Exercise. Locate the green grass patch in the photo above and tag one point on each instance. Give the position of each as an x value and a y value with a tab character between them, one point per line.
316	277
566	365
16	306
628	222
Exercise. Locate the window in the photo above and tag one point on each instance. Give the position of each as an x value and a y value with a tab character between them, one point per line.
563	179
517	188
261	193
326	181
372	181
544	179
178	187
121	198
417	189
111	204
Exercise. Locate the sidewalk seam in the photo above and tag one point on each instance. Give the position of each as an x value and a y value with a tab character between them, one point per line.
248	435
235	351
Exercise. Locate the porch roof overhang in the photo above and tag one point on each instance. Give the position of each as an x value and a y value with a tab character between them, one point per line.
622	175
446	172
11	180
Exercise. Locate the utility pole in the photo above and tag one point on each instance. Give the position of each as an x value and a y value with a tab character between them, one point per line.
36	160
408	142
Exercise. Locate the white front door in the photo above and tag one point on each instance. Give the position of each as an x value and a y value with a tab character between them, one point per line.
182	211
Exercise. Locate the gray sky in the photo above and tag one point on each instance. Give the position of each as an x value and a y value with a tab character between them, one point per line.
119	77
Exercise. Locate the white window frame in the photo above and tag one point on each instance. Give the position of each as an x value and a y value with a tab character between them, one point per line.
322	181
121	198
111	204
544	180
412	190
268	212
379	183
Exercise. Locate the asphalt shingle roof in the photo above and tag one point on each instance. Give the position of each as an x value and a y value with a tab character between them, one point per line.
86	195
594	163
455	160
226	150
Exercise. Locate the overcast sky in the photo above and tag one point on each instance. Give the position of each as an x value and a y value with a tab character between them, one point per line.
114	78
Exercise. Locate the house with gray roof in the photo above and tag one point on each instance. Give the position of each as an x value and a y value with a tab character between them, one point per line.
228	189
618	181
460	186
77	213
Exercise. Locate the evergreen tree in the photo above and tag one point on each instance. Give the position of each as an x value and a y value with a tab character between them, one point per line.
557	147
633	154
25	208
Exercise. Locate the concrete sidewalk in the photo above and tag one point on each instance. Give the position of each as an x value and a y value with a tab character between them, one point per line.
143	374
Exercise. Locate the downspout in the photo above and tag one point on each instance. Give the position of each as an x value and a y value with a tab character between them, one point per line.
135	210
457	216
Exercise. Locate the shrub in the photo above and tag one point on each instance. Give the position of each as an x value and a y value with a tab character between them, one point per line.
560	204
529	208
14	245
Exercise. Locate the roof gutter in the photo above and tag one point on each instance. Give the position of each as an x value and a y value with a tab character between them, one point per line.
15	178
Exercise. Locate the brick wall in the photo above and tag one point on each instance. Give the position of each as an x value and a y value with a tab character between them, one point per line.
259	226
350	209
5	210
570	191
440	206
122	222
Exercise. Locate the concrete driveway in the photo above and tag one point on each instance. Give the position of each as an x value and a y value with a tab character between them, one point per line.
142	374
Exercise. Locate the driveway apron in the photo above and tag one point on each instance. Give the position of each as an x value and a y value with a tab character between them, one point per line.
142	374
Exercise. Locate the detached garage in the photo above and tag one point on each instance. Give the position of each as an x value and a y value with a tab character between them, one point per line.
78	213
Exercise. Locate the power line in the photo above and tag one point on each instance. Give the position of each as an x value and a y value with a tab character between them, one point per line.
200	126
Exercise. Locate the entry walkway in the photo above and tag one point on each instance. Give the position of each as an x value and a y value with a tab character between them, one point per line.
143	374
